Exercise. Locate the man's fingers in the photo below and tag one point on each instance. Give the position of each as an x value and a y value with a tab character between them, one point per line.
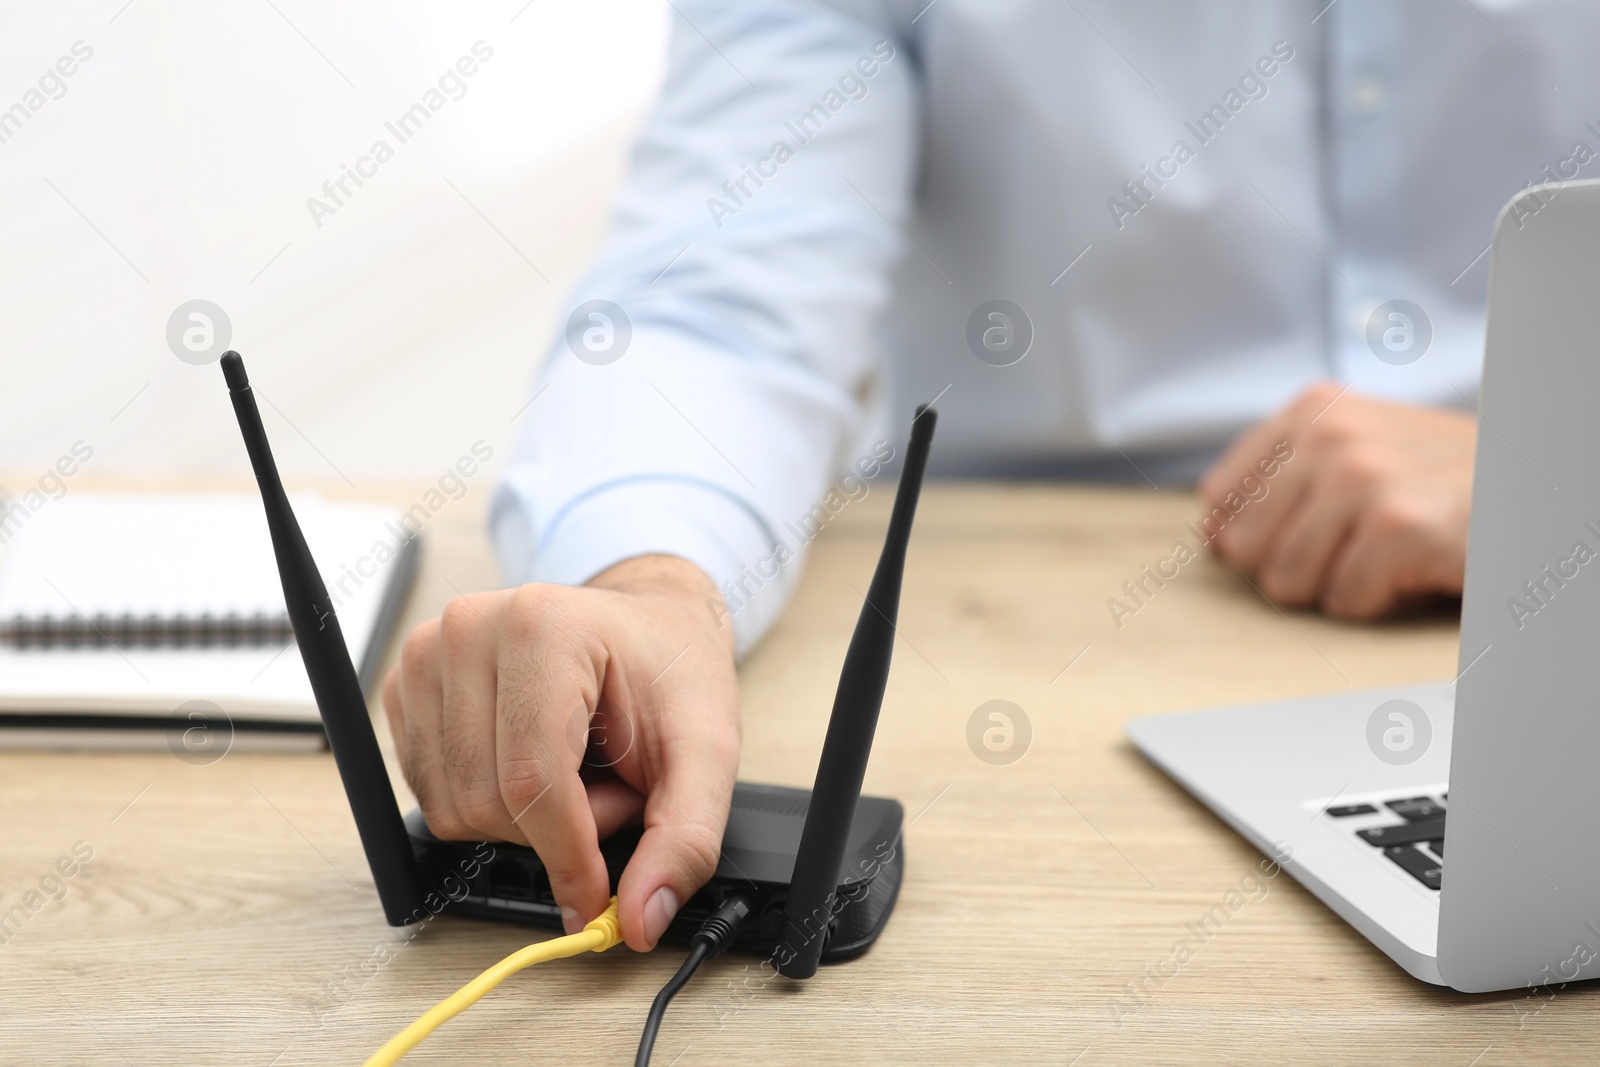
1295	565
615	804
1399	549
394	711
1365	580
538	774
1239	458
499	704
421	696
685	816
469	672
551	808
1247	530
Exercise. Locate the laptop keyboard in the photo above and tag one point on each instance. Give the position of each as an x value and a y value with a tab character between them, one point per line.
1415	843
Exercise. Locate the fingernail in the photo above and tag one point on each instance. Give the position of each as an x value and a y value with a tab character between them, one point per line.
571	921
658	912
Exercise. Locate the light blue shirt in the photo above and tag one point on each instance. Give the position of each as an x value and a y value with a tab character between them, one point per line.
1191	211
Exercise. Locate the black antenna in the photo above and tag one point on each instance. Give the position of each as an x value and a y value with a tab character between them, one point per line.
333	677
850	730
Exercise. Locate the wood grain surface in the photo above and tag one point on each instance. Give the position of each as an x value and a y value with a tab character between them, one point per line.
227	915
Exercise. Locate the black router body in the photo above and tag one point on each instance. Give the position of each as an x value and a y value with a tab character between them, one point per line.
759	848
823	868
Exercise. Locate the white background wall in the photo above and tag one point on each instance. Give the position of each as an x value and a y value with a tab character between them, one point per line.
178	163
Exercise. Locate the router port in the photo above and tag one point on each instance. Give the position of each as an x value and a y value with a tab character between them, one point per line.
770	922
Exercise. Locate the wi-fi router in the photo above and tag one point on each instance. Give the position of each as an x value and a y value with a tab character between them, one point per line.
823	868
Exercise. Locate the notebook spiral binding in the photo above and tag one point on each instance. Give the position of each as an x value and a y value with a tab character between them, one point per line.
148	631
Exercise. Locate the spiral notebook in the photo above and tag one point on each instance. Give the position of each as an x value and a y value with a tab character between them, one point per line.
157	621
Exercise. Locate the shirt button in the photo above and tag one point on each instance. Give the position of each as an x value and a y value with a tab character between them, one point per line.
1368	94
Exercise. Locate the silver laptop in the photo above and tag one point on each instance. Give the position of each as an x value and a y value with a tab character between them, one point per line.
1354	791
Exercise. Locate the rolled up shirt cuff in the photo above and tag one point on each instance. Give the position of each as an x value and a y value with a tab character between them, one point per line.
652	514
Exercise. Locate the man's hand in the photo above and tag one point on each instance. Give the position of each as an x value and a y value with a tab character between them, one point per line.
553	716
1371	510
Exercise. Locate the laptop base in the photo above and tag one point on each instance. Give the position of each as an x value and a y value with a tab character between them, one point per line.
1272	771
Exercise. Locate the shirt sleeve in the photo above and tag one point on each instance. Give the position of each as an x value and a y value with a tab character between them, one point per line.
719	367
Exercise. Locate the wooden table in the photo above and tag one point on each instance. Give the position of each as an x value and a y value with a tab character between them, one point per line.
227	915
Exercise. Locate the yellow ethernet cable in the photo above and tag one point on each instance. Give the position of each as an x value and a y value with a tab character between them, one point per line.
598	936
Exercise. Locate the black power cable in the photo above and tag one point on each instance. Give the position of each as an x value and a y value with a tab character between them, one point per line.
709	942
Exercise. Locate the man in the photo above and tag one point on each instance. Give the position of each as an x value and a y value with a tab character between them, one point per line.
1106	237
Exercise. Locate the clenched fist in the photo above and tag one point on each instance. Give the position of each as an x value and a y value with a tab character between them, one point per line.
553	716
1370	512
